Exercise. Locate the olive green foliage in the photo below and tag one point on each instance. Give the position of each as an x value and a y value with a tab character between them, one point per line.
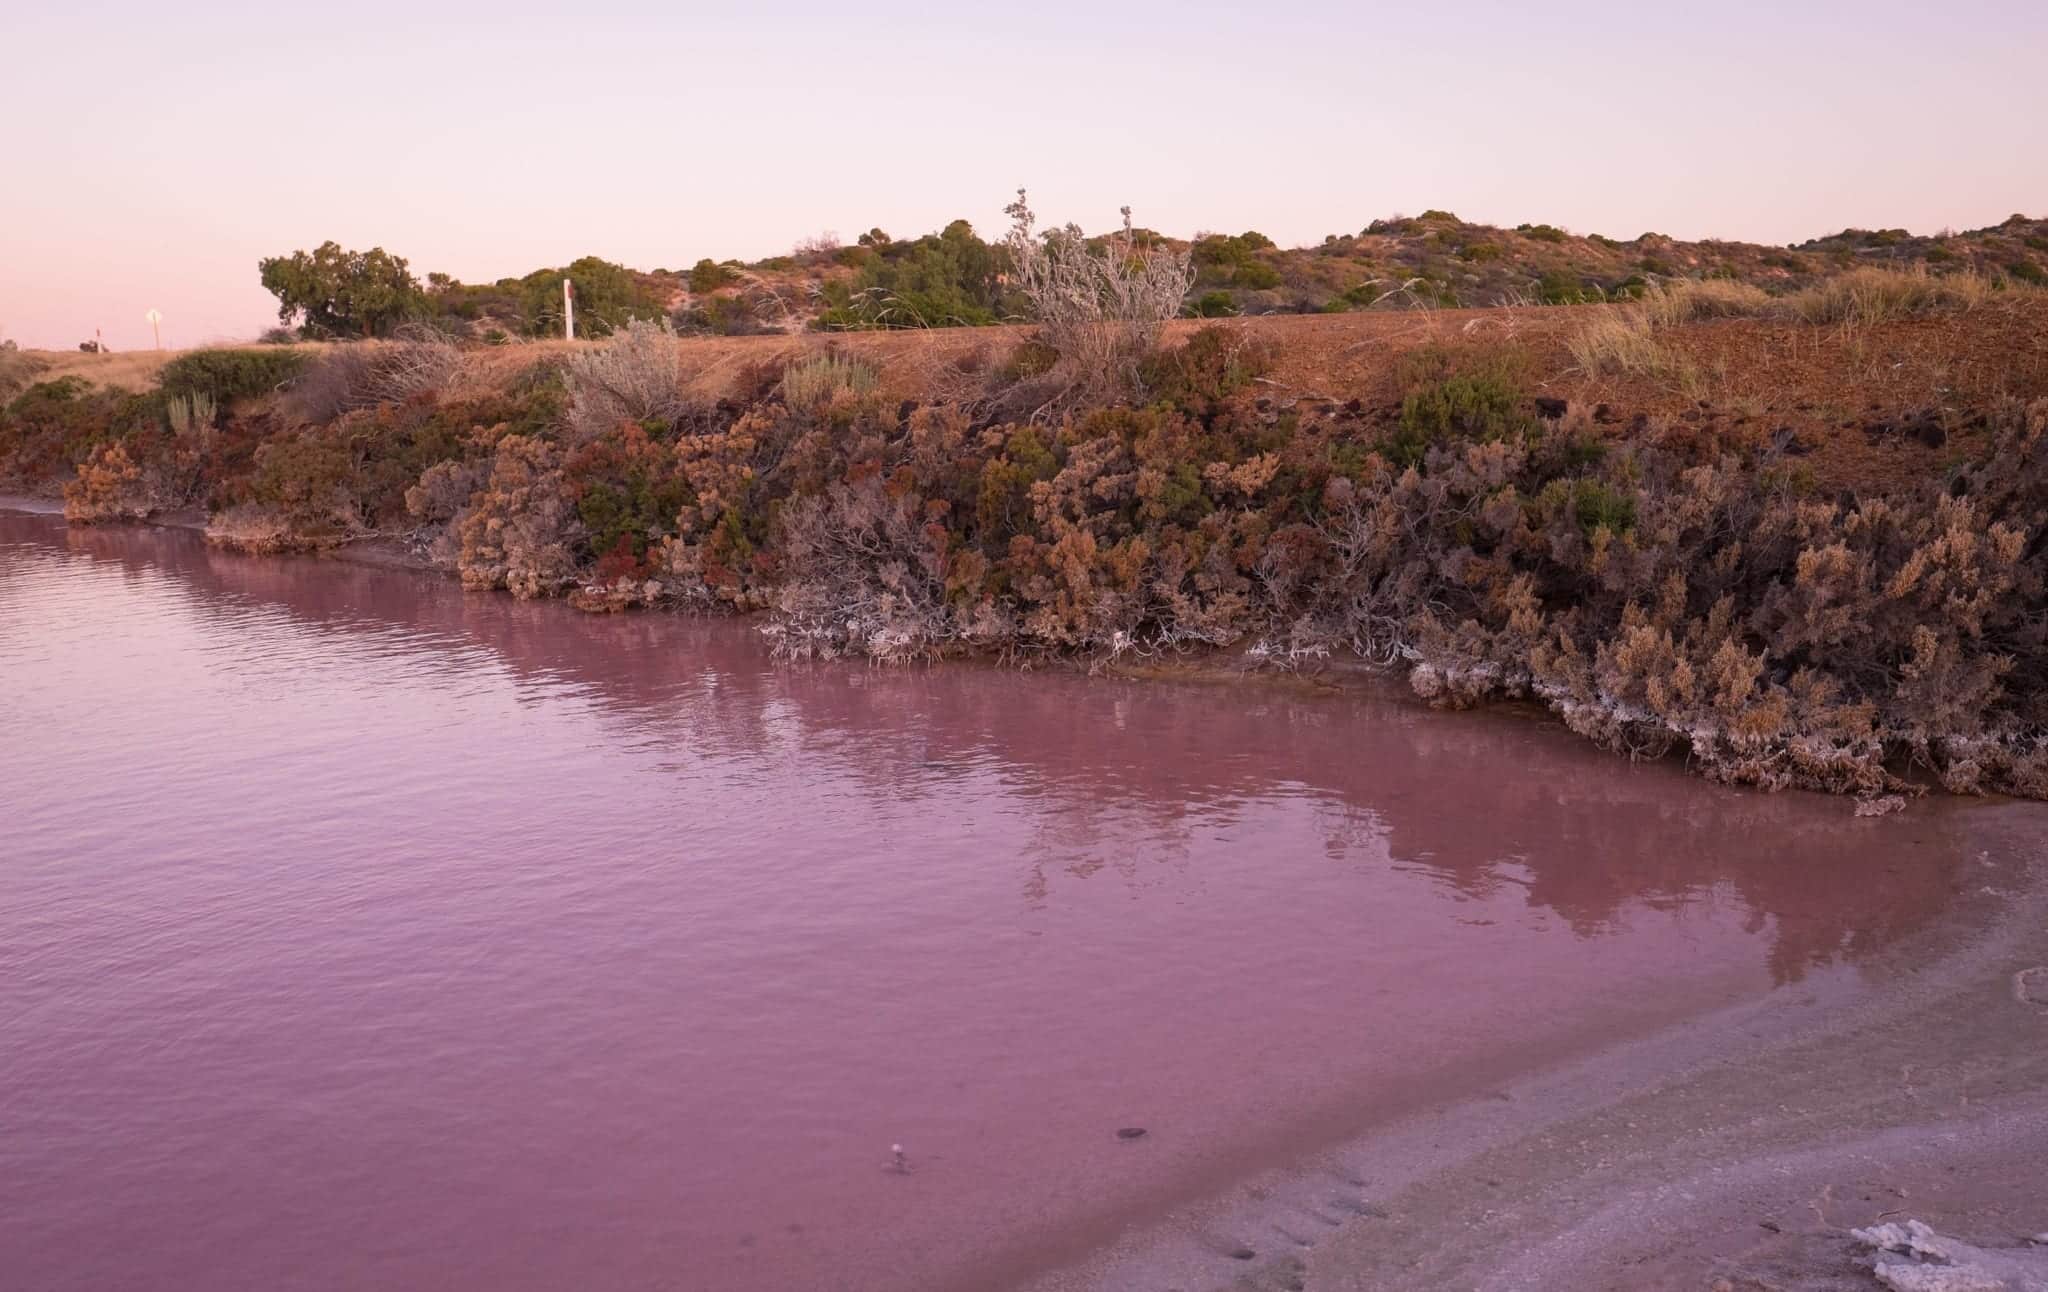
1461	393
607	297
946	279
628	490
1234	262
1562	287
708	275
338	293
227	375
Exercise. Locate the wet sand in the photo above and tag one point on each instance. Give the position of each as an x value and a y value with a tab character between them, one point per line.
1731	1153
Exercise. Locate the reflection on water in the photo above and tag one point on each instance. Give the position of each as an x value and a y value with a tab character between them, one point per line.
364	929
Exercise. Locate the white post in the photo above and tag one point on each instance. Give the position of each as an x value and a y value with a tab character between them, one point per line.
568	311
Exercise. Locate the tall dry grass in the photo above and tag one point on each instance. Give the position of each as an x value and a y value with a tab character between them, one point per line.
1862	297
1669	303
1622	339
810	384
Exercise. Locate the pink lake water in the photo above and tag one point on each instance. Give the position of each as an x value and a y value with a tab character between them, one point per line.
358	932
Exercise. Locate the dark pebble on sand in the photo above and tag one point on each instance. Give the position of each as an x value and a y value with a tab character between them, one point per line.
1242	1254
1131	1132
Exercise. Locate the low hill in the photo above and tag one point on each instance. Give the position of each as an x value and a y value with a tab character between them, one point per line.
954	277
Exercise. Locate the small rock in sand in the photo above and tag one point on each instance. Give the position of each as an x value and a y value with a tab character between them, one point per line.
2031	985
1131	1132
1914	1258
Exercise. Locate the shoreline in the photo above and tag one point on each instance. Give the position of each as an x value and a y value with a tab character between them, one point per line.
1331	674
1732	1150
1370	1208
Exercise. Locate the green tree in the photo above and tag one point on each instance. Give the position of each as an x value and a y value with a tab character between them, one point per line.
607	295
342	293
946	279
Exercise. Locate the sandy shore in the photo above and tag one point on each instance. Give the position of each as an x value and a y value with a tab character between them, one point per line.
1732	1153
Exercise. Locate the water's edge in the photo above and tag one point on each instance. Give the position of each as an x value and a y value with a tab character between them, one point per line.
1739	1144
1452	1181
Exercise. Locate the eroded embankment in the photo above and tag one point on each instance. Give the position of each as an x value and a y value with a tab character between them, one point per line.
1798	555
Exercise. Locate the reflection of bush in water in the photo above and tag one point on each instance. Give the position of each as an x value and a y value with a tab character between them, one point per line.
1681	588
1483	802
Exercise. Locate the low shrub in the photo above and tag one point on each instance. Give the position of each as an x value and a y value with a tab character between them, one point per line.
708	275
349	378
228	375
1200	375
812	384
50	427
109	486
1454	393
636	375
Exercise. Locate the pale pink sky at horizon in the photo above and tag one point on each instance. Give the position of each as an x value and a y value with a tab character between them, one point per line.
160	151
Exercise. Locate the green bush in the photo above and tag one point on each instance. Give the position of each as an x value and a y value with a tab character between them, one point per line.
708	275
947	279
1454	393
1562	287
228	375
1598	506
607	296
1255	277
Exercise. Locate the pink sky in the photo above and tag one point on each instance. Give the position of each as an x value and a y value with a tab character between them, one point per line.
158	151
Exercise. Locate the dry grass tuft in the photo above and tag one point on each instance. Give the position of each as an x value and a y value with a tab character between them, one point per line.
1871	295
1668	304
1621	339
810	384
350	377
